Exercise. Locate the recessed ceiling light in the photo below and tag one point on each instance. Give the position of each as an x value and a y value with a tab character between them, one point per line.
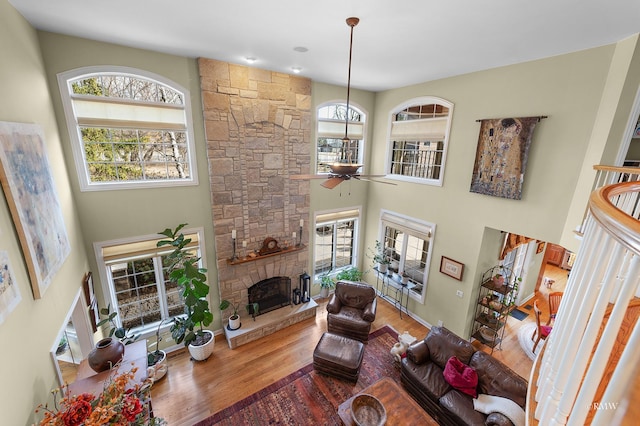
296	70
301	49
250	59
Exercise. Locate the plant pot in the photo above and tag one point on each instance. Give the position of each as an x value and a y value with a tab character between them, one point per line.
324	292
108	352
202	352
405	280
234	322
158	370
382	268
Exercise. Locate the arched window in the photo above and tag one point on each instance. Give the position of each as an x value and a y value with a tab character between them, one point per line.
331	130
418	140
128	128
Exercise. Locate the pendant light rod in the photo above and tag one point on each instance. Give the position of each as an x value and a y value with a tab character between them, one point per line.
351	22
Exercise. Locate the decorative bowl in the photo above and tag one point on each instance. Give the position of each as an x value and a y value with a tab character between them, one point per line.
367	410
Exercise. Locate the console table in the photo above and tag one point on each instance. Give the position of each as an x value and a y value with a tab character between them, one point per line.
393	291
88	381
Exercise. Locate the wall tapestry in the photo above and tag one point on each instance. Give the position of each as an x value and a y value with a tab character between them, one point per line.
501	156
9	293
32	198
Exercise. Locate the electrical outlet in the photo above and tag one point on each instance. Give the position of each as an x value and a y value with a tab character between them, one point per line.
459	293
440	323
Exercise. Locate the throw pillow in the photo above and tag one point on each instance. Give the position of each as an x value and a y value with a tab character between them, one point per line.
461	376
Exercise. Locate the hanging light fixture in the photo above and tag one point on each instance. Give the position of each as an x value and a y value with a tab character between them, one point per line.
345	155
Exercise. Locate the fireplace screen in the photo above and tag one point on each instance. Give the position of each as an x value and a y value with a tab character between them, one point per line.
271	294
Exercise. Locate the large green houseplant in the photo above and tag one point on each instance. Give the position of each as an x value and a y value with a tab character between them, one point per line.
191	279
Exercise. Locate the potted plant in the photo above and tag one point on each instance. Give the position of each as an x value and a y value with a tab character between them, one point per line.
379	258
326	283
157	365
349	274
498	280
404	277
234	318
191	279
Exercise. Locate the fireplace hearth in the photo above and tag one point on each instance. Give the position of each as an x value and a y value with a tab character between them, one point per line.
270	294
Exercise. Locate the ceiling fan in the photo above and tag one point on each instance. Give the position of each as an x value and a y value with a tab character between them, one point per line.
345	169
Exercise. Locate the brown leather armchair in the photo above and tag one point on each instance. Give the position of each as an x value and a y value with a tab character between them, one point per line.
351	310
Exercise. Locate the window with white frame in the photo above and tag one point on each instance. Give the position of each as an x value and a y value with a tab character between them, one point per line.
418	140
128	128
335	241
331	131
407	243
137	282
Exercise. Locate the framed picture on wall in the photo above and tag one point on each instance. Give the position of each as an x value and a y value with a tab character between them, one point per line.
87	286
452	268
540	247
32	198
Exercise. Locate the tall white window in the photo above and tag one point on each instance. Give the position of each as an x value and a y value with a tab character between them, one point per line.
407	243
335	241
418	140
138	285
331	130
128	128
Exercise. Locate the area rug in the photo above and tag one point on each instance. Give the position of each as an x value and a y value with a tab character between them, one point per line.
524	337
518	314
306	397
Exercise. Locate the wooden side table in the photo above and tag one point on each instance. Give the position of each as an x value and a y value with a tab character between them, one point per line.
87	380
400	406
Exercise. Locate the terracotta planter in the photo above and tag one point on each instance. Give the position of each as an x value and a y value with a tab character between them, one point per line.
202	352
108	352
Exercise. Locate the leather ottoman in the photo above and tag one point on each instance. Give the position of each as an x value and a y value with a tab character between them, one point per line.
338	356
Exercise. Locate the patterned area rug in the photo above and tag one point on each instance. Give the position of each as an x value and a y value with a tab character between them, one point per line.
306	397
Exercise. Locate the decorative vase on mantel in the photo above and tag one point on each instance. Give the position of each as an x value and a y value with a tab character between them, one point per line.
107	353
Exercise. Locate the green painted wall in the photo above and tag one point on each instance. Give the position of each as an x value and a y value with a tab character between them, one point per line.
28	333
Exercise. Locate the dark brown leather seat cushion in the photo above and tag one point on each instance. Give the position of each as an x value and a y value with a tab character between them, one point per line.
461	406
428	378
495	378
443	344
338	356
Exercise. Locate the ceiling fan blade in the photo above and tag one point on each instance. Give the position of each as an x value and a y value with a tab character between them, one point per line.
304	177
369	176
332	182
366	179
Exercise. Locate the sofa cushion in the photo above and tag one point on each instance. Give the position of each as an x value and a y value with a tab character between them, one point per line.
460	406
461	376
495	378
443	344
427	377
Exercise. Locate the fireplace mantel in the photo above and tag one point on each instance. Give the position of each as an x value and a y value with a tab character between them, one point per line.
258	256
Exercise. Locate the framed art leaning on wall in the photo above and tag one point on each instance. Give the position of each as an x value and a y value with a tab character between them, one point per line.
33	201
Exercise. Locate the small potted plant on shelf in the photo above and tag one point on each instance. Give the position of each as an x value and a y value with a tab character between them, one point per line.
498	280
234	318
191	279
379	257
157	359
404	277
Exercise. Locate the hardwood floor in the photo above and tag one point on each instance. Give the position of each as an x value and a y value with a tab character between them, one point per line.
192	391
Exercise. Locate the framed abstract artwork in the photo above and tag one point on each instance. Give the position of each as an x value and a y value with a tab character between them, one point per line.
33	201
501	156
9	292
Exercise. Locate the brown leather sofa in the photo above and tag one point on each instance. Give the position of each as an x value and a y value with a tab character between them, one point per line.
422	376
351	310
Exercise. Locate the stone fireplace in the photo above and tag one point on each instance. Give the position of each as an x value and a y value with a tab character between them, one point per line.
258	131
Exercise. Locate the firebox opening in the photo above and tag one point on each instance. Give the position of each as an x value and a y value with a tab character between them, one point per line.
270	294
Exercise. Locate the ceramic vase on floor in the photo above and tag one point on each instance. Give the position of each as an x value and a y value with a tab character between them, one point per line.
107	352
202	352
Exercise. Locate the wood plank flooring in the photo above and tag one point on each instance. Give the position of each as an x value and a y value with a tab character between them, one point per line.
192	391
